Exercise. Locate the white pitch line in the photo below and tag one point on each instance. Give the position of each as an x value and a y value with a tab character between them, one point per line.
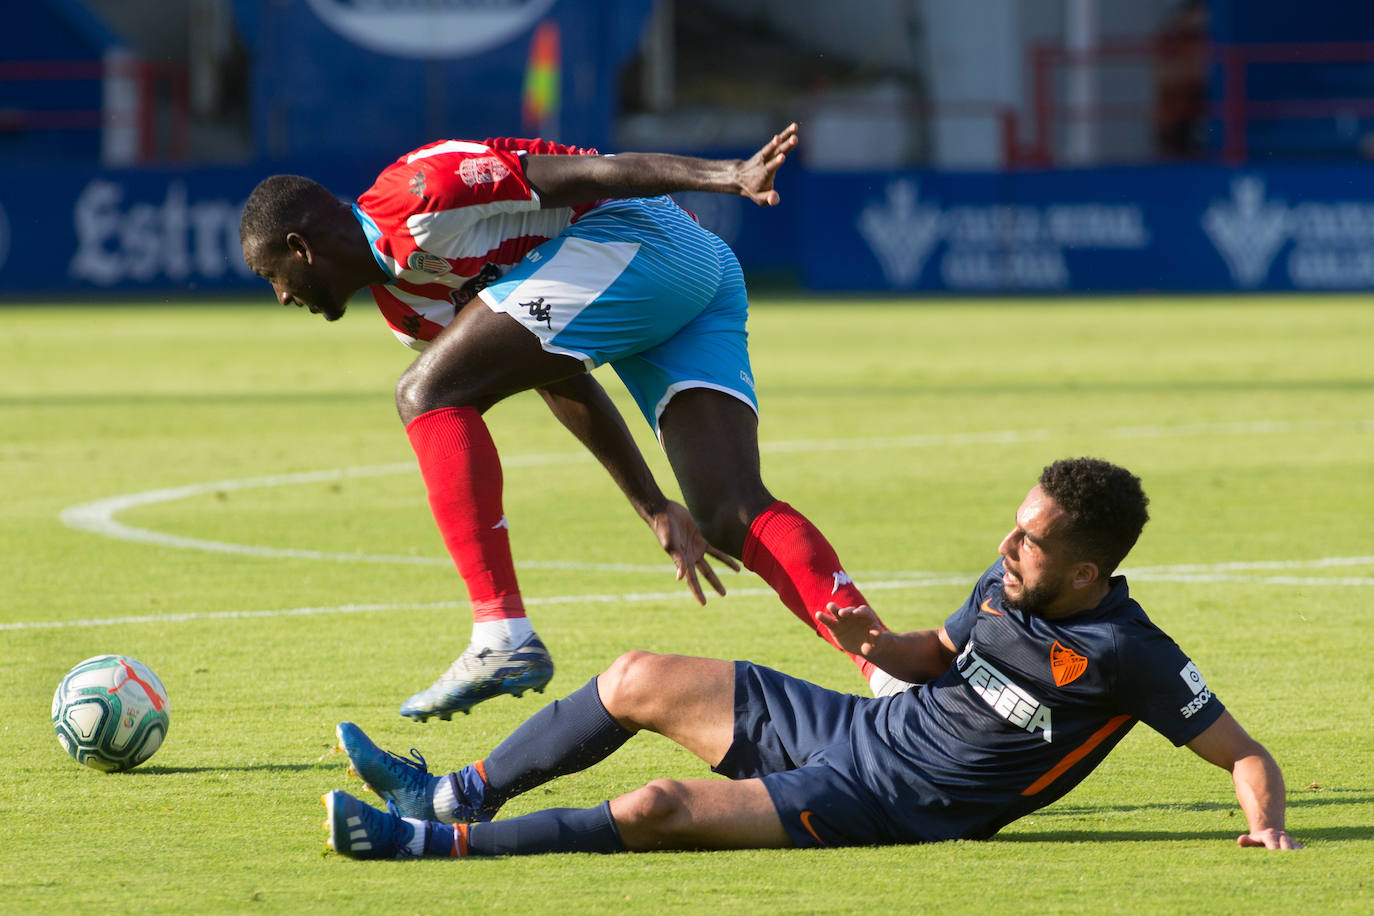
99	517
924	580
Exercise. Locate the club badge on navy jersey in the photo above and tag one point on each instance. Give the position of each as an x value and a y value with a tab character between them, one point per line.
1065	664
427	263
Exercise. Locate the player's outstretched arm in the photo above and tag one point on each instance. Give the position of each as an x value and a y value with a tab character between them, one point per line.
1257	778
582	405
563	181
918	656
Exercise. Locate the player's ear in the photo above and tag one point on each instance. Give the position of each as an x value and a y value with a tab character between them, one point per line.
1085	574
299	246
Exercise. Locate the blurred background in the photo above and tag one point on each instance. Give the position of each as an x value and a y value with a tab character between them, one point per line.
968	146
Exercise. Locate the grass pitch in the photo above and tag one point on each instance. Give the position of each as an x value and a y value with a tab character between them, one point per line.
222	490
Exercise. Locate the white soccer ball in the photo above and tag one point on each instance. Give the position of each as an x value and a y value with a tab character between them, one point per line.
110	712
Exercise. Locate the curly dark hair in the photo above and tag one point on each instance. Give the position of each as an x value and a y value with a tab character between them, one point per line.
1104	506
283	204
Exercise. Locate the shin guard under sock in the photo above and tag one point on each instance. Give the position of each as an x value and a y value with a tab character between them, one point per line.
550	830
789	553
564	737
462	474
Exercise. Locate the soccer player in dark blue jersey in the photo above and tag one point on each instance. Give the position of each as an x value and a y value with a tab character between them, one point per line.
1023	692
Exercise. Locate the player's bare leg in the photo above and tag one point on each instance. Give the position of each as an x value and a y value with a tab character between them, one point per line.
699	814
689	700
479	359
711	440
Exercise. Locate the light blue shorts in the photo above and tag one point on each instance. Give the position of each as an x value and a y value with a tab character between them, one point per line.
640	285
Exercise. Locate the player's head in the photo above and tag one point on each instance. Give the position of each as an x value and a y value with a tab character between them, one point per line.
289	231
1074	528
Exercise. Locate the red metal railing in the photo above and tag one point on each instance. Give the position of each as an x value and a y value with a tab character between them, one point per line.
161	94
1233	112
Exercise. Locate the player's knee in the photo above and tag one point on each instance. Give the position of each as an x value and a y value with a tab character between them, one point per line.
412	394
725	522
630	686
654	814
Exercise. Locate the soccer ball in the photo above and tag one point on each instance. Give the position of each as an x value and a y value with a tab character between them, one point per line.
110	712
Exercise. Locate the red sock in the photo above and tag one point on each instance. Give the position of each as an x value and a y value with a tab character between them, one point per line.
792	556
462	473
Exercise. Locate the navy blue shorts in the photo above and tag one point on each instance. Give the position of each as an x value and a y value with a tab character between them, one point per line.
795	736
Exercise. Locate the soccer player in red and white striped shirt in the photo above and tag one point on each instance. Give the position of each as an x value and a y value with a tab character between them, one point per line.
523	264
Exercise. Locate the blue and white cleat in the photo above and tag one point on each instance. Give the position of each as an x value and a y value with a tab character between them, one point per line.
407	786
479	675
360	831
403	783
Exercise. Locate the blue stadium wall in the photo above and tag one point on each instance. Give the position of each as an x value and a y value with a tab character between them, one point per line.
1179	228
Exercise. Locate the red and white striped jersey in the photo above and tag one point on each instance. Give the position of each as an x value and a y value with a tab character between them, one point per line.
449	218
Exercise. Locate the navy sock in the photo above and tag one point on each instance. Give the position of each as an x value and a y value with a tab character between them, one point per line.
439	840
564	737
551	830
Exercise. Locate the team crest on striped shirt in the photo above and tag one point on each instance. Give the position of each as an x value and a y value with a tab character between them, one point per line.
1065	664
483	170
427	263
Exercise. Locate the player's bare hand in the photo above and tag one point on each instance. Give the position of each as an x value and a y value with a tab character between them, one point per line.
755	175
1268	839
856	629
681	539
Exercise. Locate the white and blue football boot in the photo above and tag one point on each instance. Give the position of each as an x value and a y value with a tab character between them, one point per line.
361	831
480	674
407	786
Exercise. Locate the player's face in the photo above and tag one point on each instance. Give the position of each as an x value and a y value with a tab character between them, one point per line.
298	278
1038	572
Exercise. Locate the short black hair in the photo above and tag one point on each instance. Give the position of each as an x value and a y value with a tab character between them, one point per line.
283	204
1104	506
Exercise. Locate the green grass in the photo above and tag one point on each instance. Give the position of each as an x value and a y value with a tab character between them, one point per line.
908	430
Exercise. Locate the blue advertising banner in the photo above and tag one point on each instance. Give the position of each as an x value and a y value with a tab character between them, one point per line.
132	231
1194	228
1179	228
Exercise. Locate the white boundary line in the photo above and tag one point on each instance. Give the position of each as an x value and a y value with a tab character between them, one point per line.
99	518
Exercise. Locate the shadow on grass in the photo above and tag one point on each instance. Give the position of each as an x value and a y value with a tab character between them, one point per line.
1314	834
1299	798
1311	798
246	768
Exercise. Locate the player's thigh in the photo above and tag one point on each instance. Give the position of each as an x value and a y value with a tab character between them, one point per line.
711	440
482	357
699	814
690	701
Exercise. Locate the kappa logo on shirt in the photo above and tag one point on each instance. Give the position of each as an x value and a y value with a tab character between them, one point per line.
539	310
1065	664
483	170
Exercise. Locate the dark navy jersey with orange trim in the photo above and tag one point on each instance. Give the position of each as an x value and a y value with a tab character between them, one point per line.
1031	706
